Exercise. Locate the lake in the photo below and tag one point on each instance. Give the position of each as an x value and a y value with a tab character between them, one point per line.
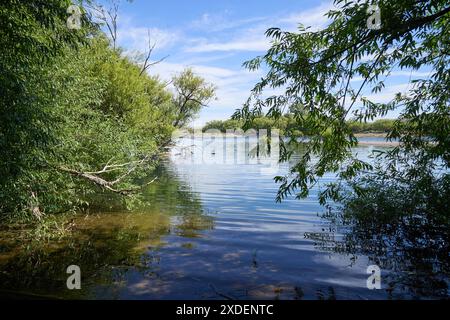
205	229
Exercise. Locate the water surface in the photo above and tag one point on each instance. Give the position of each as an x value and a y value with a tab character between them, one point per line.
209	230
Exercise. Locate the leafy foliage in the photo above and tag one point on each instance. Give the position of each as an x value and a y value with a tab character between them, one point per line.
192	93
76	115
287	123
31	34
402	227
316	68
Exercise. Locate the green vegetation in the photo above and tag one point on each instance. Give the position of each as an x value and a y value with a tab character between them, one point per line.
319	72
193	93
402	226
77	116
396	210
106	244
287	123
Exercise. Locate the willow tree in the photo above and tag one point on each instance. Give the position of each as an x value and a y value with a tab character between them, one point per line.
331	72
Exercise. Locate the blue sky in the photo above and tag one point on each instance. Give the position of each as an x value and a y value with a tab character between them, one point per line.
215	37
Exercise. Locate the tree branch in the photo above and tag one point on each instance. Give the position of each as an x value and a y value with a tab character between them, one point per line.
151	47
400	30
109	185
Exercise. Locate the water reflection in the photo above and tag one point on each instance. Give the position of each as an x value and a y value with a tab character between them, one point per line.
214	231
107	246
414	253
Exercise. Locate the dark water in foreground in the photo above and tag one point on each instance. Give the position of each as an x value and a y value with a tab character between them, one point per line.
206	231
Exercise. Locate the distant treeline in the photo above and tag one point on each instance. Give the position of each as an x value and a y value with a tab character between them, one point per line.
288	123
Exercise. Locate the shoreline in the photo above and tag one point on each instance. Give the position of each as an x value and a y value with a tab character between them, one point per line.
371	135
378	143
357	135
375	143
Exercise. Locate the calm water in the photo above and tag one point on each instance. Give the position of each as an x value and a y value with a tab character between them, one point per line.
205	230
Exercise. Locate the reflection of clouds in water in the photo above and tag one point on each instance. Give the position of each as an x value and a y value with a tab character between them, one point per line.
226	150
248	219
232	256
344	275
147	287
251	247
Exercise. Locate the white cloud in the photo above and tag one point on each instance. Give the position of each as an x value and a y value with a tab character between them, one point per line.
167	69
389	92
246	39
411	73
253	39
233	86
136	38
220	22
314	17
237	45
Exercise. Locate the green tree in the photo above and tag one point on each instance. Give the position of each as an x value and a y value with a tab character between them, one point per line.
192	93
316	69
32	35
77	117
110	126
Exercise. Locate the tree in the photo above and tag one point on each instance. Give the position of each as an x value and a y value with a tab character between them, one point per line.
116	130
147	63
316	70
32	35
192	93
76	116
106	17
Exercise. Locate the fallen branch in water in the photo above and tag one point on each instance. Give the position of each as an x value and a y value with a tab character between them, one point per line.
109	185
95	179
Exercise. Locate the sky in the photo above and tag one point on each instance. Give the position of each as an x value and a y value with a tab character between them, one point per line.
215	37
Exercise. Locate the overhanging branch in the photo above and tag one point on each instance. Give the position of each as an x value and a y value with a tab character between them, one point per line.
106	184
